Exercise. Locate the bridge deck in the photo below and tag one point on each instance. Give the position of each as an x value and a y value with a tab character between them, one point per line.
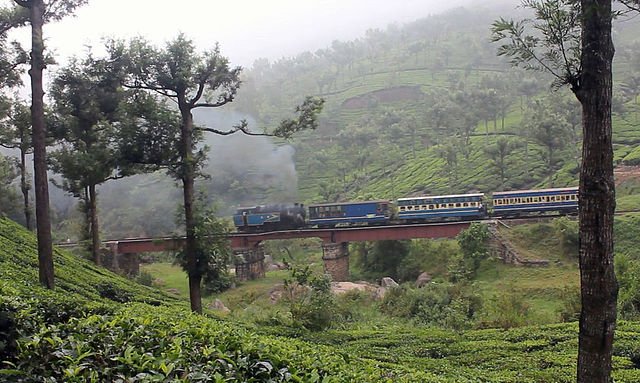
330	235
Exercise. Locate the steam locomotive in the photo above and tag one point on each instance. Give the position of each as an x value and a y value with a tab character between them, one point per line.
454	207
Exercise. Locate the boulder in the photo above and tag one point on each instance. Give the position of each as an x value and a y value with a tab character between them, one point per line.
344	287
423	279
388	282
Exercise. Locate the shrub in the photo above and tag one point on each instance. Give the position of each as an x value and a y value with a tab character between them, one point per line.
628	275
571	304
145	278
433	305
309	299
507	309
473	244
111	291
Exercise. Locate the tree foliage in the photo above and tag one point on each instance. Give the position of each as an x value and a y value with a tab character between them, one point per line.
213	252
15	133
193	80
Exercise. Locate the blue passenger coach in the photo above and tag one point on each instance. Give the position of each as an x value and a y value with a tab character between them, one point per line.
517	202
457	206
348	213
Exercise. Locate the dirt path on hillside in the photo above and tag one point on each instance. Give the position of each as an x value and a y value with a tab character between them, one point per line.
624	173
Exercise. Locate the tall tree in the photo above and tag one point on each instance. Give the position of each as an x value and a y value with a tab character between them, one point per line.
194	80
498	153
16	134
548	129
573	43
39	13
88	103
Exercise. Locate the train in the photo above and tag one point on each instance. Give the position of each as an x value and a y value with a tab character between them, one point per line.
408	210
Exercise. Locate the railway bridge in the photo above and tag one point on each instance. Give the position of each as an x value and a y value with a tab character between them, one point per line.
250	254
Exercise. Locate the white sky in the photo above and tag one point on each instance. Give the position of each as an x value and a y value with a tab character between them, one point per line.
246	29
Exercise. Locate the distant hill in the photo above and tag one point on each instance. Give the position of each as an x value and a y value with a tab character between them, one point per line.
418	108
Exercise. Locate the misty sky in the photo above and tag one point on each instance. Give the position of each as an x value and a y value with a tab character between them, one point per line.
246	29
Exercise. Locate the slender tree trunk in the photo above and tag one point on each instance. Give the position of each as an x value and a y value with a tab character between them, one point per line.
188	181
43	223
598	285
24	187
93	225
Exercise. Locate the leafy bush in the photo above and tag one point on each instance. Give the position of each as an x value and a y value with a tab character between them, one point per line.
506	309
212	252
434	305
473	244
309	299
628	275
571	307
143	344
113	292
145	278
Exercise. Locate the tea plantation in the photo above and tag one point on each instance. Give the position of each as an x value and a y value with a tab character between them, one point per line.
99	327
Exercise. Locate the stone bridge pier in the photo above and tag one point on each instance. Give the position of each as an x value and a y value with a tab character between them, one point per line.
336	260
249	262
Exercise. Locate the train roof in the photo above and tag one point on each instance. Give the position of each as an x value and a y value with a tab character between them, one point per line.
442	196
278	205
542	191
346	203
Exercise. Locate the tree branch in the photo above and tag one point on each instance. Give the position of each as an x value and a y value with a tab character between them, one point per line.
9	146
632	5
210	104
23	3
157	89
242	127
198	94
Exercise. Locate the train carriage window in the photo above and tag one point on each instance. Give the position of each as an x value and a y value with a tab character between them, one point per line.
431	207
465	204
458	204
552	198
401	208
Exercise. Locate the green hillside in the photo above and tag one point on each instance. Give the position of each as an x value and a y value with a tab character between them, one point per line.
420	109
83	332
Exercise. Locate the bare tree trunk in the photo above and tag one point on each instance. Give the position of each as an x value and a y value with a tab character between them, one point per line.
43	223
188	181
598	285
24	187
93	225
